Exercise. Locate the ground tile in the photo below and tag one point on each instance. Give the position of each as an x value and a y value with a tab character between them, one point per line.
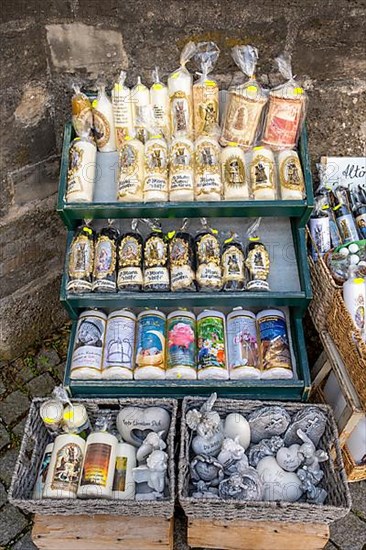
7	464
41	386
4	437
13	407
358	494
12	523
46	359
349	533
25	543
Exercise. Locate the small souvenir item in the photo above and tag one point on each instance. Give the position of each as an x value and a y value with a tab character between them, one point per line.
42	472
236	426
156	272
354	296
105	260
311	421
277	483
246	485
99	462
319	226
257	262
206	92
123	482
82	114
87	354
231	454
245	102
81	173
65	467
208	185
181	356
234	173
152	442
181	173
156	169
159	103
104	131
314	495
359	210
266	422
130	260
345	222
233	266
119	346
243	352
76	420
130	171
180	84
153	473
134	423
263	174
51	412
211	345
266	447
208	425
122	110
81	260
207	247
206	474
311	457
150	345
289	458
181	260
140	97
274	342
290	175
286	111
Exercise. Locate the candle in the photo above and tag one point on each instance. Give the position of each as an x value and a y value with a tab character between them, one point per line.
291	178
81	173
181	260
234	173
81	261
211	348
208	258
244	103
42	472
86	361
286	110
105	260
82	114
122	109
208	172
150	345
131	171
156	272
262	174
159	103
140	97
51	412
65	467
104	122
118	355
180	84
130	264
206	92
233	266
181	352
123	482
243	352
181	174
76	420
274	343
156	170
98	466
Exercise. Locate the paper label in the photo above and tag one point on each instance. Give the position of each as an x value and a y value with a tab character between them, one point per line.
208	183
274	343
156	183
242	342
129	276
180	114
119	343
347	228
120	474
283	119
88	347
156	276
181	181
150	346
242	118
211	343
67	468
361	224
233	264
96	464
181	342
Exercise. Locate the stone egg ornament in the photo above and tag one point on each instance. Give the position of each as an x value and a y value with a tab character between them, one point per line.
210	446
311	420
268	421
235	425
277	483
135	423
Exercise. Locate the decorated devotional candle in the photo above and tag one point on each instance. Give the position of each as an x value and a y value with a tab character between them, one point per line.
131	171
242	341
208	259
119	346
76	420
103	118
180	84
181	260
206	92
65	467
159	103
122	110
181	345
42	472
274	344
82	114
81	172
291	179
150	345
211	346
51	412
105	260
86	361
181	173
96	480
234	173
208	185
123	482
263	174
156	170
156	271
130	260
81	260
233	264
140	97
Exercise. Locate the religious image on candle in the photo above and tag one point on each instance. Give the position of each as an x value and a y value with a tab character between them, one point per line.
206	92
122	109
104	122
180	84
131	171
159	102
208	171
181	174
156	169
140	97
263	174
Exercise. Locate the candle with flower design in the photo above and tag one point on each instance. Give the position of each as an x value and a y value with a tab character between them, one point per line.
181	329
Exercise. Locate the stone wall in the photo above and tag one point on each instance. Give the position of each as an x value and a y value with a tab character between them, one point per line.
47	46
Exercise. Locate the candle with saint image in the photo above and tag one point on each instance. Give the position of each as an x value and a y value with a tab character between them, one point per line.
181	173
291	178
207	167
156	169
103	119
131	171
263	174
234	173
180	84
159	102
140	97
122	109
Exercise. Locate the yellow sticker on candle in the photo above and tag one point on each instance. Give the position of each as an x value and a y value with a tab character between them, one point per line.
95	104
171	234
232	143
298	91
118	87
258	147
254	239
210	83
157	86
252	88
175	75
214	231
69	415
88	230
359	281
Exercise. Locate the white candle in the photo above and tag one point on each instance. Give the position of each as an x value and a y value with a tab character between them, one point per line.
206	108
119	347
65	467
131	171
156	170
234	173
122	109
263	174
291	178
180	86
104	122
81	173
140	97
86	359
42	472
123	482
207	166
98	466
159	103
181	174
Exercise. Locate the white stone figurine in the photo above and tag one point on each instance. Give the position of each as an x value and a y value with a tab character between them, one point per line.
208	425
152	442
154	472
310	456
231	454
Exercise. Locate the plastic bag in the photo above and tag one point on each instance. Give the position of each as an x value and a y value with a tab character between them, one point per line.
257	260
286	111
206	92
156	272
181	259
130	260
82	114
122	110
81	260
159	104
208	258
105	260
140	97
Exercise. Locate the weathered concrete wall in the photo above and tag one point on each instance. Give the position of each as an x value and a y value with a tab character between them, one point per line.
46	46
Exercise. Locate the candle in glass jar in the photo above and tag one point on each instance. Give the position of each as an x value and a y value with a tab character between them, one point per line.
262	174
156	170
234	173
159	102
291	178
208	172
104	122
81	173
131	171
181	173
122	109
180	84
140	97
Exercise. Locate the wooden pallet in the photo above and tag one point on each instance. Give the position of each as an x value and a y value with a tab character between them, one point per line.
102	532
256	535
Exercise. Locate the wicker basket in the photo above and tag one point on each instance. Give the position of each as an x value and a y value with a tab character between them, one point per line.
324	290
31	452
338	502
350	344
355	472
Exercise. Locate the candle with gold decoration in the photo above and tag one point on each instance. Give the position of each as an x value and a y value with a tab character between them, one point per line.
234	173
156	169
208	172
122	109
180	84
81	173
206	92
81	260
140	97
82	114
105	261
263	174
159	102
131	171
181	173
104	122
290	175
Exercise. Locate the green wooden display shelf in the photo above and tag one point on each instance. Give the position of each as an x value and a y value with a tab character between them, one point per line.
297	389
72	213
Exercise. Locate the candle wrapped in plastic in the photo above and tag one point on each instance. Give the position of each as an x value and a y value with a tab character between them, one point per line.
82	114
159	104
206	92
130	260
233	266
105	261
207	248
257	260
156	272
181	260
122	110
81	260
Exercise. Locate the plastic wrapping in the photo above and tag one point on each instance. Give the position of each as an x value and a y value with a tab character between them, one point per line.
181	260
81	172
82	114
208	184
159	103
156	169
103	118
244	103
140	97
181	172
233	266
105	261
81	260
286	110
122	110
291	178
156	272
208	258
257	260
180	84
206	92
130	260
131	171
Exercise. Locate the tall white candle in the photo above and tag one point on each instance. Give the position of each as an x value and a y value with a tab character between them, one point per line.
123	482
181	173
234	173
122	109
291	178
65	467
159	103
98	466
156	170
86	359
263	174
81	174
131	171
104	122
180	86
207	167
140	97
119	347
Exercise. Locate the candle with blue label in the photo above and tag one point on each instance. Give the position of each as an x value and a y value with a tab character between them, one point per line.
150	345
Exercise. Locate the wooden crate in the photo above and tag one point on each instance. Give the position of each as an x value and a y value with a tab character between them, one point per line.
354	471
256	535
97	532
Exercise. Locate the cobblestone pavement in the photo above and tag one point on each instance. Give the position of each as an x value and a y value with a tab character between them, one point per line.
35	375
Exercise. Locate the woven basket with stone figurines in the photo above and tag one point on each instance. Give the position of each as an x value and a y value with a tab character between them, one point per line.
337	503
35	439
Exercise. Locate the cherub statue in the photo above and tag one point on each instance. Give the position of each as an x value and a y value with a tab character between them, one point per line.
152	442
